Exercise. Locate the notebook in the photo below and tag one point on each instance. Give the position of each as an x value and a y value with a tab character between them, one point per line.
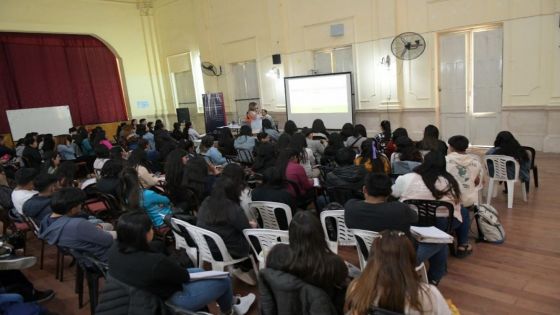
208	275
430	234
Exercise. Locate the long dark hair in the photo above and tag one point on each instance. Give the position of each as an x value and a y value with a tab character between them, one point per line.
224	196
284	140
508	145
99	136
360	131
399	132
407	150
369	153
266	124
138	157
318	126
129	189
290	127
225	137
245	130
112	169
174	168
236	173
309	249
132	228
194	175
299	143
389	280
386	128
431	138
433	167
283	159
347	131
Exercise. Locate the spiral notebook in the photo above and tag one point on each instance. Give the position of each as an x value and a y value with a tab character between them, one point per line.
430	234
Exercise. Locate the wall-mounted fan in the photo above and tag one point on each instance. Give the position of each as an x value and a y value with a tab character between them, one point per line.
209	69
408	46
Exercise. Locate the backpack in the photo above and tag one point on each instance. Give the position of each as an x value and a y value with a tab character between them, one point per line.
489	227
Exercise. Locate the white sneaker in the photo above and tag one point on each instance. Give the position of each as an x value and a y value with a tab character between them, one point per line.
245	277
244	304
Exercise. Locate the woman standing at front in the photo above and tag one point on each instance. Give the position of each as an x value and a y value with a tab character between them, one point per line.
254	118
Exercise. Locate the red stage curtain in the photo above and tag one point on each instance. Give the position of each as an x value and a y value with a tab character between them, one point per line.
41	70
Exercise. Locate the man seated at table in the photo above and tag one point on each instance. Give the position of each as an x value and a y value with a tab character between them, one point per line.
376	214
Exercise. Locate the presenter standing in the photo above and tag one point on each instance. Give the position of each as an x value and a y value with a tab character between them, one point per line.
254	118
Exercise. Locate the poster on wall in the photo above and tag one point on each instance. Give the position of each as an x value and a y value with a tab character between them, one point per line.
214	111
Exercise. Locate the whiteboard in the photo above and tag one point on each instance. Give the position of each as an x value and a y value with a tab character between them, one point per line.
56	120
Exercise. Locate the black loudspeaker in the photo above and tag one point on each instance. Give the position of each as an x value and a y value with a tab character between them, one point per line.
183	115
276	60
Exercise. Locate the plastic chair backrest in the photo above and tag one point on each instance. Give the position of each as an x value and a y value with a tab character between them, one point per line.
245	156
499	165
364	240
199	235
532	154
267	212
343	235
266	238
427	210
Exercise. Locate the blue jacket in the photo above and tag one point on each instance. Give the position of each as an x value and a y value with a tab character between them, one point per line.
76	233
214	156
157	206
148	136
66	152
86	147
244	143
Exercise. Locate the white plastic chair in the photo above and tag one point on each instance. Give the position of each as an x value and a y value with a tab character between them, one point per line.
181	242
421	271
364	238
343	235
266	210
499	163
205	254
267	239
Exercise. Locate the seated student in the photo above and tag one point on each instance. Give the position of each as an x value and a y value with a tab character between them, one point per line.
191	133
180	195
236	173
347	131
273	189
64	228
145	134
376	214
355	142
199	176
82	140
245	140
66	149
133	195
384	137
268	128
31	154
51	162
466	169
222	214
108	182
346	174
319	130
290	127
24	187
335	143
100	138
299	185
390	282
506	144
103	155
431	142
309	258
48	143
5	191
176	133
161	275
39	206
66	174
392	146
226	142
317	147
210	152
406	157
138	160
431	181
265	153
372	159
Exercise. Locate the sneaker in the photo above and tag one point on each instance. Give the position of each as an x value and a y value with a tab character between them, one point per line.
245	277
243	304
42	296
17	263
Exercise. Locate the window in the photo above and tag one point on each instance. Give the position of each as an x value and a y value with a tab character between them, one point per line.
182	83
246	86
334	60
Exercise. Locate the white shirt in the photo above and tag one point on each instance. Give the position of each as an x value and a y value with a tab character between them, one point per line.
98	165
20	196
432	302
194	135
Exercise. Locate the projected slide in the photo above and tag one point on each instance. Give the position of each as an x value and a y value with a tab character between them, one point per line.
323	94
327	97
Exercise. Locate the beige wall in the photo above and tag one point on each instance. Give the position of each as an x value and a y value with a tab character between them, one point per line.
233	31
120	25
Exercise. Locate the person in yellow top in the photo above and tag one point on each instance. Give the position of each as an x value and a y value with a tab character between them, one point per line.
373	160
